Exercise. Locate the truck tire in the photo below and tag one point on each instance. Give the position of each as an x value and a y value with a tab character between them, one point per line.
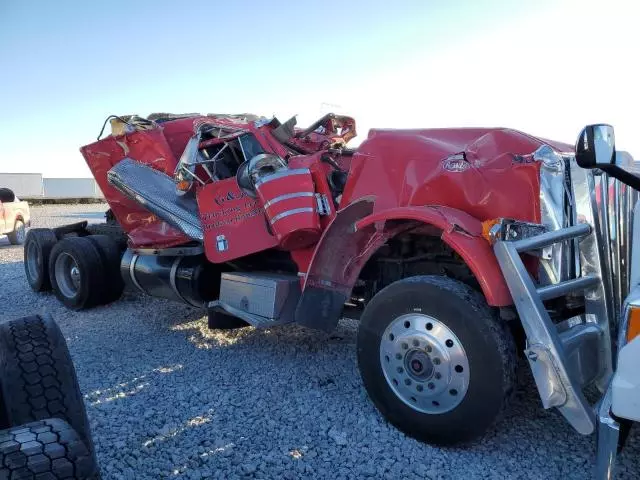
110	255
47	449
37	377
76	273
17	237
37	249
114	231
435	359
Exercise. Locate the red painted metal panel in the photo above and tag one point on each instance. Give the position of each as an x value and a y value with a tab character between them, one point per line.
236	220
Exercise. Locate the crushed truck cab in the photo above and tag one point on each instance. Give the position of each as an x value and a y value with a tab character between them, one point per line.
458	249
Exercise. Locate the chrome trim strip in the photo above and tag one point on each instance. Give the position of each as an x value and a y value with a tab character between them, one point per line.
283	173
132	273
287	196
293	211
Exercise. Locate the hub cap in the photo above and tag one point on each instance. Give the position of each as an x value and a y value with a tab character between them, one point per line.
67	275
424	363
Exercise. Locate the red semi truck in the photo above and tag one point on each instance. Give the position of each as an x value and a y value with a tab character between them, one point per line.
460	247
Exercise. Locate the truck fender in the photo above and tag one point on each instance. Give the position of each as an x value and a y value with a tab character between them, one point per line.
463	233
356	233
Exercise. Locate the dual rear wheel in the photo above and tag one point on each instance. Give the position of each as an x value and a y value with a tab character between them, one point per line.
83	272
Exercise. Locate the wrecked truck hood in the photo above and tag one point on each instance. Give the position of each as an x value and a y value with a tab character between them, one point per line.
485	172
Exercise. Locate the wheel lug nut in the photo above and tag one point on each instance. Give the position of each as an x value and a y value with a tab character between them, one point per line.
429	349
405	345
419	388
398	356
436	361
438	375
407	381
416	343
400	369
431	386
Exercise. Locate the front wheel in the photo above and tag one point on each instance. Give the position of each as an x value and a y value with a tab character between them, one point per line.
435	360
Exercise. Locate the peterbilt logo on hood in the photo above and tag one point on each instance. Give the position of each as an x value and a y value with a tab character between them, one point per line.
456	163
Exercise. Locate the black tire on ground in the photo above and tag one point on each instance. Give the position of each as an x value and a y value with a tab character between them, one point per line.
37	377
110	255
463	314
76	273
223	321
17	237
47	449
37	249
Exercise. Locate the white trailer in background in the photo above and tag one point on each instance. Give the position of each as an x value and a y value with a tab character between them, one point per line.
71	188
24	185
33	186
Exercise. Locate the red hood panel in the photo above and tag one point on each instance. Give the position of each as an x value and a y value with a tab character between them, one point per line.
481	171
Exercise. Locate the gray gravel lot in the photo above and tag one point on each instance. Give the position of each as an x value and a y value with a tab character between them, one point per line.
168	398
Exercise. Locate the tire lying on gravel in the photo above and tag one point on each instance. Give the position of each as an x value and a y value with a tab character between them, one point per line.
77	273
47	449
110	255
37	249
435	359
37	377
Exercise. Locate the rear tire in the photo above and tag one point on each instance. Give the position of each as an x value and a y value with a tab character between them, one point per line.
76	273
114	231
37	377
435	360
110	256
37	249
17	237
46	449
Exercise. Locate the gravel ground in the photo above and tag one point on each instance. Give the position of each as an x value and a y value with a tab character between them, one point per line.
168	398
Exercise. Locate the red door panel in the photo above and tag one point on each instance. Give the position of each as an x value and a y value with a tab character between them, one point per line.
234	224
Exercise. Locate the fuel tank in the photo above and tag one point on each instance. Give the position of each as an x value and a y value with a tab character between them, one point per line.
188	279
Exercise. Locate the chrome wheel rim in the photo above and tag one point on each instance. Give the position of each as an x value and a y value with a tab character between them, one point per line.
424	363
67	275
34	260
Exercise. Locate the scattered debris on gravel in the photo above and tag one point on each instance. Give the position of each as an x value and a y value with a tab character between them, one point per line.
167	398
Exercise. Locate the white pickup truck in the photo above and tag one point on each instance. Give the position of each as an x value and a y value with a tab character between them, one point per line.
14	217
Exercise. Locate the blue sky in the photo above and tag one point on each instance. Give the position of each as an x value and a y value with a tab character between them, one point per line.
66	65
